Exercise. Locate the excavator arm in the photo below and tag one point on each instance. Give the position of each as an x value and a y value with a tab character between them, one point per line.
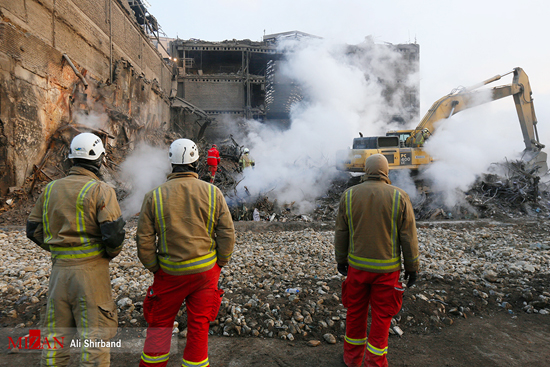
464	98
526	111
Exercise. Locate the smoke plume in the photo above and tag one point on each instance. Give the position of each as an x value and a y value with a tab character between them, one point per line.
92	120
465	145
143	170
402	179
342	96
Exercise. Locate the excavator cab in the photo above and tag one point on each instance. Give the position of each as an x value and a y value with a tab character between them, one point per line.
375	142
353	160
403	135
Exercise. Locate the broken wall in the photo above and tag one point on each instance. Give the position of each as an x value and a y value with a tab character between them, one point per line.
223	78
128	81
215	94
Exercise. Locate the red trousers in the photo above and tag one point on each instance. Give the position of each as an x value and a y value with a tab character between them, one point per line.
384	293
162	303
213	170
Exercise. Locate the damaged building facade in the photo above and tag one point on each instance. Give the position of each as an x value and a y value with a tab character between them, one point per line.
62	61
224	78
241	78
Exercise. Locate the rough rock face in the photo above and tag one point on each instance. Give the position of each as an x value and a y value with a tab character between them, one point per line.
122	93
285	284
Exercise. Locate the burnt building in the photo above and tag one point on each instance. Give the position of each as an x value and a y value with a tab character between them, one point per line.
240	78
226	77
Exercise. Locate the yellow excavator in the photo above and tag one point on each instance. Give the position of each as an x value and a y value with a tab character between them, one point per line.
404	148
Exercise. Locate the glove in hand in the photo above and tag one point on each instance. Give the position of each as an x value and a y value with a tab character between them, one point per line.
343	269
411	277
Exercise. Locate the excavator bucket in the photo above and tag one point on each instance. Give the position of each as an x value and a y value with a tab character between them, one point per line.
536	162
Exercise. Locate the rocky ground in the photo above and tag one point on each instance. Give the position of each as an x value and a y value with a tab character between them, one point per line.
468	269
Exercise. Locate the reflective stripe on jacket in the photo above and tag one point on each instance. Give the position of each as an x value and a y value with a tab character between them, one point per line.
184	226
70	211
375	225
246	161
213	157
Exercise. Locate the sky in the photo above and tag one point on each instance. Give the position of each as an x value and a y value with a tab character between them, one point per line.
461	42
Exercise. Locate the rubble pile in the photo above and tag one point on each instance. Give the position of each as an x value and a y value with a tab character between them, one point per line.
512	194
243	205
516	191
326	207
228	168
285	284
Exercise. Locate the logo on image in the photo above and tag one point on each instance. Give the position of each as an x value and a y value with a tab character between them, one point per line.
35	341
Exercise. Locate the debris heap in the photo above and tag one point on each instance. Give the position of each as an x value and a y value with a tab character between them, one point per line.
514	192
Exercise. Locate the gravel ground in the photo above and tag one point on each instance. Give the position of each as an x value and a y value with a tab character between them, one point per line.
468	269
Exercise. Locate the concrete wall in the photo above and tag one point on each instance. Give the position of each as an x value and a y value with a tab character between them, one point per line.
40	92
224	95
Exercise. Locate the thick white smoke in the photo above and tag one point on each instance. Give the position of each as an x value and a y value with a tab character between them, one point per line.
92	120
466	144
143	170
342	96
402	178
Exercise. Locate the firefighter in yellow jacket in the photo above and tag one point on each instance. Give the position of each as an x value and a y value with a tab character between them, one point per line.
185	235
78	220
246	160
375	231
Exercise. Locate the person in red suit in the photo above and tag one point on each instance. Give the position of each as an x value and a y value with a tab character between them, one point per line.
212	160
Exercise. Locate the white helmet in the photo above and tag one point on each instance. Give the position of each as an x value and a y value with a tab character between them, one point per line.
183	151
86	146
245	150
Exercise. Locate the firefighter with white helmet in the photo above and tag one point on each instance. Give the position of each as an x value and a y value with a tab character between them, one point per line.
78	220
246	160
185	235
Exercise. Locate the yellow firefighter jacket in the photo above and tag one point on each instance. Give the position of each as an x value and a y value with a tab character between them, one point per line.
185	226
375	224
246	161
77	218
